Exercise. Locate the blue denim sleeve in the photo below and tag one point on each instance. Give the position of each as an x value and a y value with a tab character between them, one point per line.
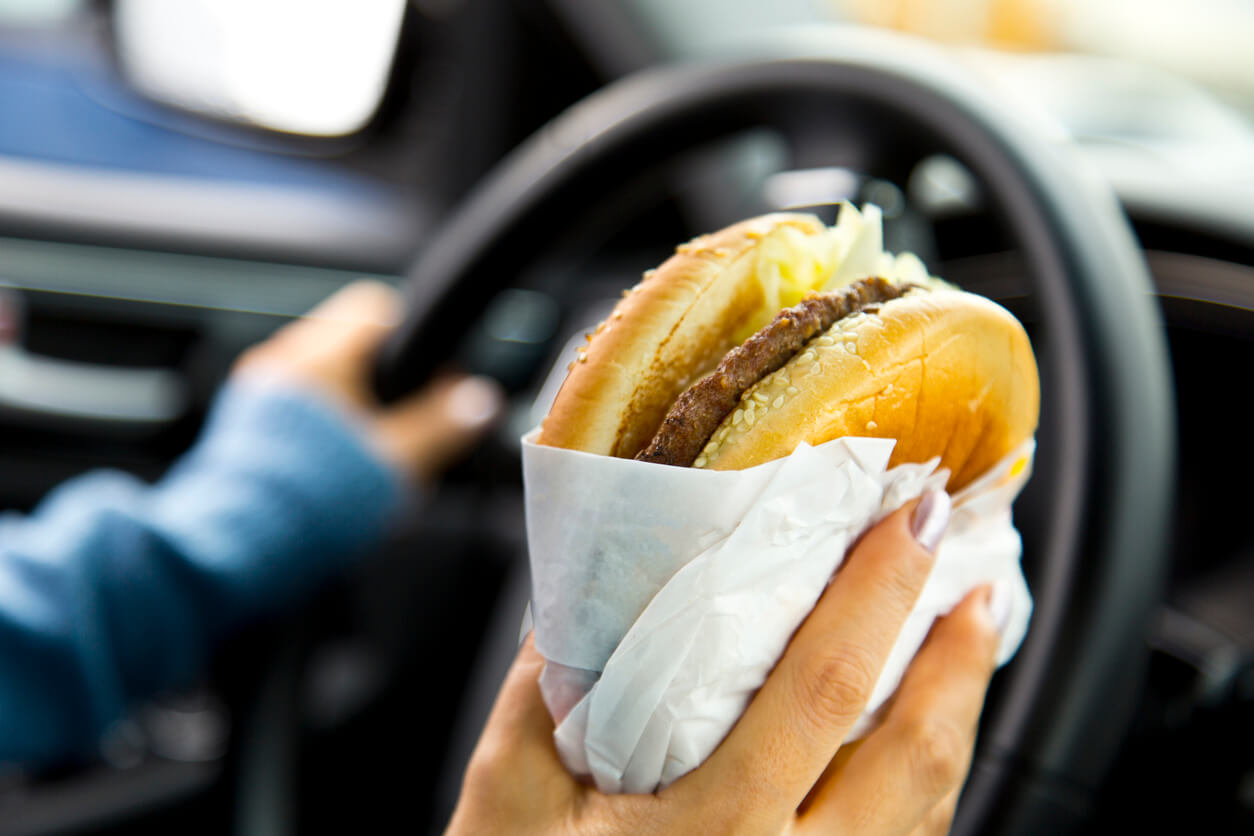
113	589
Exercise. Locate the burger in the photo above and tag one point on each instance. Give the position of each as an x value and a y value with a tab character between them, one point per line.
780	330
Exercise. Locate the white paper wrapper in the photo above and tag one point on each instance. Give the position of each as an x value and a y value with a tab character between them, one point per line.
663	596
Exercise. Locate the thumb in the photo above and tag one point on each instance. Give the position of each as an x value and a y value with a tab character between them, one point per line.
431	429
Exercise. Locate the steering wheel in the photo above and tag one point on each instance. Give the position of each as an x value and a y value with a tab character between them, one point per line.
1094	517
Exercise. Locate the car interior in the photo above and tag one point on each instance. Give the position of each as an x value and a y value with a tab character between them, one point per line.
512	166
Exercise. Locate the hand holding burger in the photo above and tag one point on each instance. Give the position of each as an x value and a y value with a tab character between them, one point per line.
746	343
782	769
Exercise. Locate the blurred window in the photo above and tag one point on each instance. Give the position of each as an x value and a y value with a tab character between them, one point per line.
316	67
1204	41
38	12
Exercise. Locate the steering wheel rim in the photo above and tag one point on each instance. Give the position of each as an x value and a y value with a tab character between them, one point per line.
1106	454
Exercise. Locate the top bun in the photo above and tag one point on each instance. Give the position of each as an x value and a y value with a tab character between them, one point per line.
945	373
669	330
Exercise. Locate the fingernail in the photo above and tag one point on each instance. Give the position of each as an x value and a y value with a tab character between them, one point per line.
998	603
930	518
474	402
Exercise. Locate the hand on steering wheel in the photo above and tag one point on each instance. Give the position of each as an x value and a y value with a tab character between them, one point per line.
329	351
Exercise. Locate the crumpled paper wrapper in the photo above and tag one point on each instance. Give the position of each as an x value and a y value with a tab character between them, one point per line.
663	596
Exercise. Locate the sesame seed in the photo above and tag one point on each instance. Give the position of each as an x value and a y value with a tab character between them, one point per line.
778	402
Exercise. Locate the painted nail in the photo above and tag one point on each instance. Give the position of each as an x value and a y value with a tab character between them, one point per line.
930	518
999	600
474	402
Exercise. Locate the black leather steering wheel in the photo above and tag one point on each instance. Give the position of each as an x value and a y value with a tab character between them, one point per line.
1095	515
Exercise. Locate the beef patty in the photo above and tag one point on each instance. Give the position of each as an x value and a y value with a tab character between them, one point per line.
697	413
